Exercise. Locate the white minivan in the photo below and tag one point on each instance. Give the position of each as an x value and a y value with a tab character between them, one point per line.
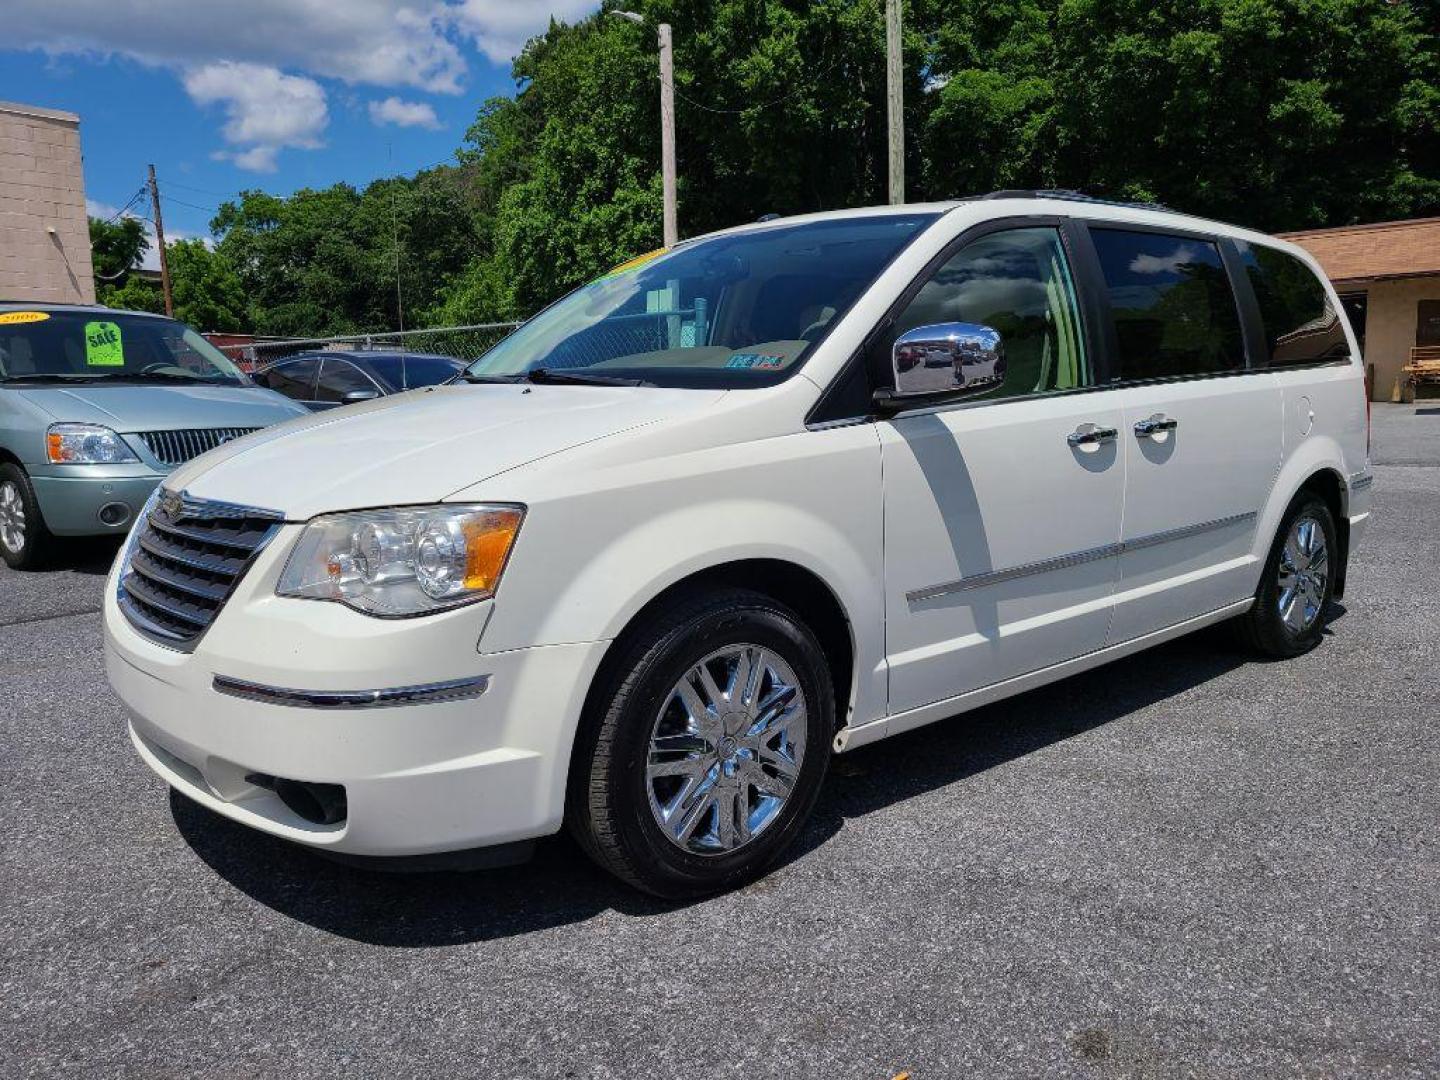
763	498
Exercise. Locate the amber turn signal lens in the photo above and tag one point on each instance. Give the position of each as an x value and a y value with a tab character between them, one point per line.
488	539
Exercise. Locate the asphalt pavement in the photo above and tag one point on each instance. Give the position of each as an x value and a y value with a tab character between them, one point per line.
1185	864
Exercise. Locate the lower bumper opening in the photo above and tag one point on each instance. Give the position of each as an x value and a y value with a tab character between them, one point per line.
319	804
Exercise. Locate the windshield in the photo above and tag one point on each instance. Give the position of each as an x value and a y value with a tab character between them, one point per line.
733	311
65	346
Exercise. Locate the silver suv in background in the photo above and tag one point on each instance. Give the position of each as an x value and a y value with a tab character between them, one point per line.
96	408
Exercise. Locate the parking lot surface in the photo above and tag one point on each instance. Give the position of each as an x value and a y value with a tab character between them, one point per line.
1185	864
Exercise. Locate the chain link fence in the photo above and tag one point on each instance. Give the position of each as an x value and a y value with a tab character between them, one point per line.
460	342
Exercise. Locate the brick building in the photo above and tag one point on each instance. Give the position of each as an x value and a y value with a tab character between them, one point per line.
44	233
1388	276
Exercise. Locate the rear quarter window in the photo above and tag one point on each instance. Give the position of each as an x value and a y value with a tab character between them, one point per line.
1301	325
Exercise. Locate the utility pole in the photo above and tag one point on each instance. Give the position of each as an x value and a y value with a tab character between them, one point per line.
667	134
895	100
667	121
160	239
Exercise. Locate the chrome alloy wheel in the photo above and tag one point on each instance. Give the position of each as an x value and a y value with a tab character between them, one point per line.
726	749
12	517
1304	571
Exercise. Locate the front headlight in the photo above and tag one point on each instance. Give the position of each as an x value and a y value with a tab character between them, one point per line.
407	561
85	444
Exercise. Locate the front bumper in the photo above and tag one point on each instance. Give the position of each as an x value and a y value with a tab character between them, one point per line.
447	774
71	496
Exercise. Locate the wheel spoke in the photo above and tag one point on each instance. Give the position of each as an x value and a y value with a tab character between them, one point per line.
710	688
734	724
779	785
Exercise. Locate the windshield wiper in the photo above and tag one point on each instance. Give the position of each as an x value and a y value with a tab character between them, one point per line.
543	375
45	376
167	376
466	376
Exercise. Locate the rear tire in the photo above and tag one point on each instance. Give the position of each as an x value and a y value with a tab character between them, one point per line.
25	542
687	792
1297	584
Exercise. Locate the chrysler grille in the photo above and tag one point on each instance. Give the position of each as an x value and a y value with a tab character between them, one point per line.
179	446
185	560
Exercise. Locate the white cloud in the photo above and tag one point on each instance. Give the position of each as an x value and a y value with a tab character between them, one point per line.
219	47
265	110
500	28
378	42
381	42
1146	263
404	113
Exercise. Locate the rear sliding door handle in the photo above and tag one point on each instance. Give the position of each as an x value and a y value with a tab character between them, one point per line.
1091	435
1155	425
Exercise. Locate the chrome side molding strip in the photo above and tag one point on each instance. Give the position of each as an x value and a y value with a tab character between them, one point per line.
1361	481
425	694
1044	566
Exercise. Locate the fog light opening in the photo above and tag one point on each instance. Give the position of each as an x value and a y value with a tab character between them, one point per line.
114	513
319	804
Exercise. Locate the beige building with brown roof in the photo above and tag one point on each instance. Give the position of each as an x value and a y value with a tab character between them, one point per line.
1388	276
44	232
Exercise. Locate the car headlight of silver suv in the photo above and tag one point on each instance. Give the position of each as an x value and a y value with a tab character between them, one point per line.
85	444
403	561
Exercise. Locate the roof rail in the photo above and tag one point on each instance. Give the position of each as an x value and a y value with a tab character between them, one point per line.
1069	195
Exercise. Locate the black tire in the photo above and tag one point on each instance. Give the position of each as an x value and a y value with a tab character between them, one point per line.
1262	630
37	544
610	796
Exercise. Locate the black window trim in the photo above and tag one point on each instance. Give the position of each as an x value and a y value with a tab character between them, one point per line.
1256	336
291	361
1086	301
342	359
1237	291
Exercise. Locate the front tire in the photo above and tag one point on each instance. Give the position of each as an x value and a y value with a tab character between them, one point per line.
706	747
24	540
1297	585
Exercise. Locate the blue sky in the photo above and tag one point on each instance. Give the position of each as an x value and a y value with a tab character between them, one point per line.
277	94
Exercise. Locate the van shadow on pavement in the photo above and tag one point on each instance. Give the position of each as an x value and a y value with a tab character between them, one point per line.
560	886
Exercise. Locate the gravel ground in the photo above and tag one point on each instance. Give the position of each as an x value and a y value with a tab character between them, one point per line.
1186	864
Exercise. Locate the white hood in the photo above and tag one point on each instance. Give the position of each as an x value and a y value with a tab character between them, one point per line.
420	447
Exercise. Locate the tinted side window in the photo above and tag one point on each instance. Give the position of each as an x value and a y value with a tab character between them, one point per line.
1017	282
340	377
295	379
1171	300
1301	325
427	371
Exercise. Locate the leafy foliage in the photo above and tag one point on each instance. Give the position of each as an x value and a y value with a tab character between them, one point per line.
1271	113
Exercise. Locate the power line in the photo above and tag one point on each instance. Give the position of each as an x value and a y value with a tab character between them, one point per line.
191	205
201	190
763	105
133	199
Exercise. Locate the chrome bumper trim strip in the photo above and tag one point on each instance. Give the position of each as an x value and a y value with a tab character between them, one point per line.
426	694
1044	566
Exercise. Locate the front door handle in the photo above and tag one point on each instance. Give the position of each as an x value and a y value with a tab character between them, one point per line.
1155	425
1091	435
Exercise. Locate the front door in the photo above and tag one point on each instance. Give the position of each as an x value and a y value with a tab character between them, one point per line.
1002	513
1201	435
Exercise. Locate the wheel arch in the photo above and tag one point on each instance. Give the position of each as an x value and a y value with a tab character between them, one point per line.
1329	486
797	587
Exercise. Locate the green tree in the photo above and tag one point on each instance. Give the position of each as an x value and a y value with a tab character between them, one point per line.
206	290
117	246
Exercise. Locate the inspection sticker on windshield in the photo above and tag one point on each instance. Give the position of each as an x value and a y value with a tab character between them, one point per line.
633	264
758	361
9	318
103	347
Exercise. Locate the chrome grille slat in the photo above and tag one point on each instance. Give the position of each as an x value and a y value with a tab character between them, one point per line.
176	446
177	579
187	558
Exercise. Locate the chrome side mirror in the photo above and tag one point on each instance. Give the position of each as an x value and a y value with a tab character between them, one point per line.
353	396
947	358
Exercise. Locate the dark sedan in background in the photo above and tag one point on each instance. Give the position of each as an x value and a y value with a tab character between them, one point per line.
325	380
